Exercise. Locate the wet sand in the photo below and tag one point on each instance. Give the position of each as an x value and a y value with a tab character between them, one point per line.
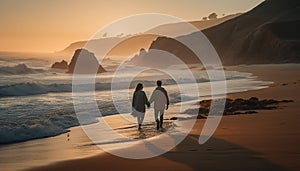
268	140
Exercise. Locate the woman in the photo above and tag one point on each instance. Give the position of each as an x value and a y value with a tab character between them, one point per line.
139	101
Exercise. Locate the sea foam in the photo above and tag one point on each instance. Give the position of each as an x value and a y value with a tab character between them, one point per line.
19	69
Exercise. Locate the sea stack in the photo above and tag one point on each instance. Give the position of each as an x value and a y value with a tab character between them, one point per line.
88	63
60	65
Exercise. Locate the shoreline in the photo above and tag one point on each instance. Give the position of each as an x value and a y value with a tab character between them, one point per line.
239	82
224	141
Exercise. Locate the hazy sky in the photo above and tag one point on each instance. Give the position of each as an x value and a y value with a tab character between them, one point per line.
50	25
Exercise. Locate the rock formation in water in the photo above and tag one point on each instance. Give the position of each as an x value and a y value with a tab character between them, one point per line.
87	63
60	65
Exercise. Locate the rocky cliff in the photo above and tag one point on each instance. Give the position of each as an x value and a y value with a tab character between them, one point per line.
269	33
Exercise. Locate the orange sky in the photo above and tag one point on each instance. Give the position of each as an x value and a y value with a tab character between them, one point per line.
47	26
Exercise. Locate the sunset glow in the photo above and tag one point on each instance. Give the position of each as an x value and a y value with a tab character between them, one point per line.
47	26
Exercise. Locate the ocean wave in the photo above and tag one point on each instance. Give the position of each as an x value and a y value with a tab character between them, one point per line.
27	89
38	126
33	117
27	125
19	69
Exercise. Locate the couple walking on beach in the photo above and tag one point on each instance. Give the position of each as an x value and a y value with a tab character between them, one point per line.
160	99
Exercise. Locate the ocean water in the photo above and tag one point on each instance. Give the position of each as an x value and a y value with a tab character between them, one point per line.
36	101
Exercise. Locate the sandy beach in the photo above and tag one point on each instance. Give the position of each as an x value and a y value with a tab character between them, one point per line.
150	85
267	140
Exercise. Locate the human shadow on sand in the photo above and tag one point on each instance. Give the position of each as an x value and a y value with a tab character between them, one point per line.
216	154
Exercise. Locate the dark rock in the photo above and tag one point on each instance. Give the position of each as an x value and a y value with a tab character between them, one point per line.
60	65
192	111
250	112
237	106
253	99
287	101
203	110
173	118
88	63
201	116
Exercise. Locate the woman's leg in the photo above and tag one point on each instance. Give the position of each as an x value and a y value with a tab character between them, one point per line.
140	119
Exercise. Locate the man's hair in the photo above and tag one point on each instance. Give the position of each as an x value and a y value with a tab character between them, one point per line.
158	83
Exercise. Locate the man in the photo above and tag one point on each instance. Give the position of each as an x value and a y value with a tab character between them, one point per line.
161	102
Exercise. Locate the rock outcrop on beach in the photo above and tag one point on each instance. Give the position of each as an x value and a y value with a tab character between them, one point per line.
88	63
60	65
238	106
269	33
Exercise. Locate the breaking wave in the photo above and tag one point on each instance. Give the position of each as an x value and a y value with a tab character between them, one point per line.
19	69
22	129
27	89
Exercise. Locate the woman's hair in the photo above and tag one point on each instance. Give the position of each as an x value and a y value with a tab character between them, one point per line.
138	87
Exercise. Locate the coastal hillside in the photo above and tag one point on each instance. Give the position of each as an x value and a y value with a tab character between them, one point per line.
269	33
179	29
129	46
